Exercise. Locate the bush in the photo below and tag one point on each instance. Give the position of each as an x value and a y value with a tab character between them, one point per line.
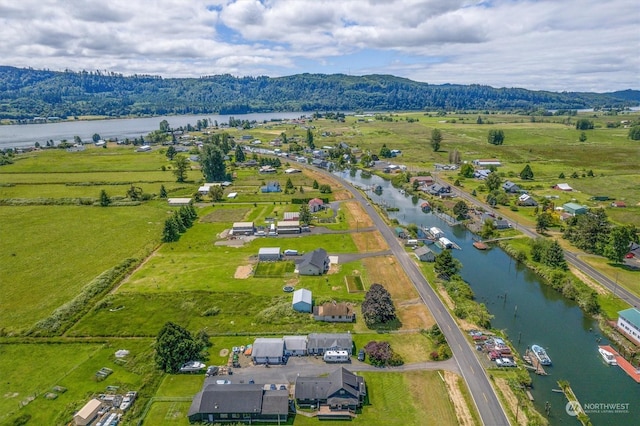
211	312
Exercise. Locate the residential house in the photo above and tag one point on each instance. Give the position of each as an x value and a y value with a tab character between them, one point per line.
239	403
510	187
334	312
295	345
339	391
268	350
302	300
438	190
574	208
319	343
501	224
422	180
563	187
314	263
315	205
272	186
267	170
629	324
527	201
425	254
481	174
269	254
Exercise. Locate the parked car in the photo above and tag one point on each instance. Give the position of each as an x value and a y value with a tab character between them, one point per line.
223	382
361	355
212	370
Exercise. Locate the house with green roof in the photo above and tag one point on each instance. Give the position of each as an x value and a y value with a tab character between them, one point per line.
629	324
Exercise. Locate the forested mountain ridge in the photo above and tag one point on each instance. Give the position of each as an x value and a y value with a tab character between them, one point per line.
26	93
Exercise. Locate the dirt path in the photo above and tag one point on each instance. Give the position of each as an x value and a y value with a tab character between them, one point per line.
463	413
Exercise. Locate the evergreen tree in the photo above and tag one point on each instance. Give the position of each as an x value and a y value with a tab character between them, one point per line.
495	137
182	227
163	192
104	198
310	143
171	231
289	184
171	153
385	152
305	214
460	209
445	264
213	166
240	157
436	139
554	256
315	184
526	173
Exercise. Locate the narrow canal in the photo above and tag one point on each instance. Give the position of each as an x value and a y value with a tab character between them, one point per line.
531	313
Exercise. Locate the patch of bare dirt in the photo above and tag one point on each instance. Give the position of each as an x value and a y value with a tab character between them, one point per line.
371	241
243	272
224	352
357	216
463	413
587	280
512	400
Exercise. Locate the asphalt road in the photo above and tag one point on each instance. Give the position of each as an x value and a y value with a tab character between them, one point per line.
486	401
571	257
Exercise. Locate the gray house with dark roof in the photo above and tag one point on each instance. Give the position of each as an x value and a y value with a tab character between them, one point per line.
268	350
341	390
314	263
239	403
319	343
510	187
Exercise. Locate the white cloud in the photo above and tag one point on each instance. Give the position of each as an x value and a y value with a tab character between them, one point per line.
544	44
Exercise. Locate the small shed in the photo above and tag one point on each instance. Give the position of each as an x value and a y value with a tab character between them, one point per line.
574	208
563	187
269	254
424	254
302	300
87	413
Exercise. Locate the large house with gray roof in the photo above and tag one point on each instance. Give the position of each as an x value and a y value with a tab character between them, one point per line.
239	403
319	343
314	263
340	391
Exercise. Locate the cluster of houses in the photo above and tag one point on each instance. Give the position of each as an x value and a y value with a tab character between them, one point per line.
276	350
337	395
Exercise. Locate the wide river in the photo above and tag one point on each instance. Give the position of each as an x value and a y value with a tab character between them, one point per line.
14	136
542	317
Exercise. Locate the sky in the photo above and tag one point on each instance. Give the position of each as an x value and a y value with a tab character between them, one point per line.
557	45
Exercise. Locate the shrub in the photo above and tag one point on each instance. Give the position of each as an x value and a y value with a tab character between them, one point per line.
211	312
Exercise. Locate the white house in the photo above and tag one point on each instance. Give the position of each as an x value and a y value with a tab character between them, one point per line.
629	324
302	300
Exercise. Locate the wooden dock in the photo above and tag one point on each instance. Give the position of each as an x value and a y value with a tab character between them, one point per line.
535	362
632	371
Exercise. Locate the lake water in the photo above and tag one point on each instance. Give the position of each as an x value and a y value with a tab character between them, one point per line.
15	136
542	317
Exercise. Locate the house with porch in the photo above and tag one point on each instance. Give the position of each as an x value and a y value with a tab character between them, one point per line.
629	324
334	312
338	393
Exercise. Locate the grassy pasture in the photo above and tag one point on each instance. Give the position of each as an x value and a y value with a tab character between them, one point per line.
73	245
273	269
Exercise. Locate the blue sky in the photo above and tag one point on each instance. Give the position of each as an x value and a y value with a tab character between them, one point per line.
572	45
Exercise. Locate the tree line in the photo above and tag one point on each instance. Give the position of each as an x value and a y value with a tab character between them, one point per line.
27	93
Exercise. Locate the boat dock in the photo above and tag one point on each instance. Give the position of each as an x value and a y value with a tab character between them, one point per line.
531	358
632	371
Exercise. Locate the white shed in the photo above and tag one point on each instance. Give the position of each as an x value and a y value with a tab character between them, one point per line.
269	254
302	301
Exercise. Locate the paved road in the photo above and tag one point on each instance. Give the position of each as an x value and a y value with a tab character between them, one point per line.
485	399
571	257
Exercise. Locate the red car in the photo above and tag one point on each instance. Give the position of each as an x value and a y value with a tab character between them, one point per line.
629	256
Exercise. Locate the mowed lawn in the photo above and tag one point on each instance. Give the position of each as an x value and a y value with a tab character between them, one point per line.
48	253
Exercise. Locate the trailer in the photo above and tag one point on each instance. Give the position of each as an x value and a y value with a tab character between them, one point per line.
336	356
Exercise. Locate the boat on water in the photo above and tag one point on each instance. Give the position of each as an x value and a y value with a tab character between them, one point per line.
607	356
541	354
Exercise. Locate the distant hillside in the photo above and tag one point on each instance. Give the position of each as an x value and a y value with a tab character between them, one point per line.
26	93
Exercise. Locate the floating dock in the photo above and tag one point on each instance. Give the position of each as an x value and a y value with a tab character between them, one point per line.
480	245
632	371
530	357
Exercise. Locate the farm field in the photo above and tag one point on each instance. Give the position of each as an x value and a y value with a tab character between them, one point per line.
205	281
